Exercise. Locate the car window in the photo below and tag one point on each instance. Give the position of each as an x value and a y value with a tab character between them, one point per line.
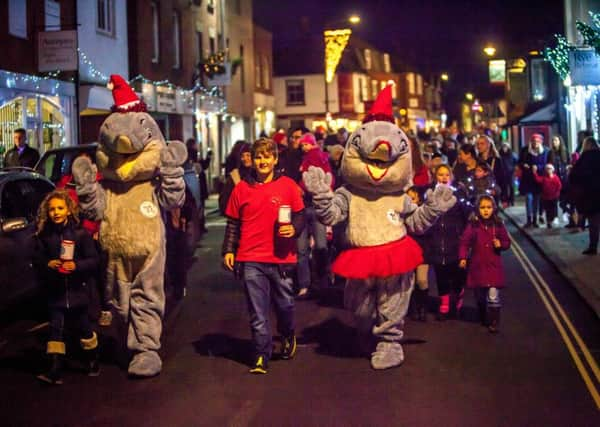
52	166
22	198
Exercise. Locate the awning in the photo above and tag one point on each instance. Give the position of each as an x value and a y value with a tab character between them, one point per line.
95	100
545	114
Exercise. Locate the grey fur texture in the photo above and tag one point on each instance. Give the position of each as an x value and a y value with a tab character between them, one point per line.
140	175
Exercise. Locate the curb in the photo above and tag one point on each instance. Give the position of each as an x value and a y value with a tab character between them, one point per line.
561	268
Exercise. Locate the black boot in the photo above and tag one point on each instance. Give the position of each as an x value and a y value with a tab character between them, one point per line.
92	362
422	297
54	374
482	314
493	314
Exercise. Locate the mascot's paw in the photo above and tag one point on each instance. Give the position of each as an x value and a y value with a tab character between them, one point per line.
316	180
174	155
84	171
145	364
387	355
441	198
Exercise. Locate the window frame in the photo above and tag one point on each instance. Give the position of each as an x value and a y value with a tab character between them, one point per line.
289	84
176	21
154	10
108	17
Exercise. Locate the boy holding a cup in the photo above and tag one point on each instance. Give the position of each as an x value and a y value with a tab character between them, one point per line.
265	215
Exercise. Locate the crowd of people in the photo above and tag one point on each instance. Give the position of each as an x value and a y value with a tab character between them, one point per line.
462	248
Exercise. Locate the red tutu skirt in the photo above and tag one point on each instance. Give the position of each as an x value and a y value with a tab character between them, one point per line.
386	260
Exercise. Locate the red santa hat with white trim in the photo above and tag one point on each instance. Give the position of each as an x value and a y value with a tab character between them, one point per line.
126	100
382	107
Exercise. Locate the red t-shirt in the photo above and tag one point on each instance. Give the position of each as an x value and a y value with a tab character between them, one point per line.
257	207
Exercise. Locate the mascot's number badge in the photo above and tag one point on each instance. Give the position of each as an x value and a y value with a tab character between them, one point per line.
148	209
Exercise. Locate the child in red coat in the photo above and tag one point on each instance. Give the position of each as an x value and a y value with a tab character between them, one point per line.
551	187
485	237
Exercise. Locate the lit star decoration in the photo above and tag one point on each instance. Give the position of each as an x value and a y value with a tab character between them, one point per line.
335	43
214	64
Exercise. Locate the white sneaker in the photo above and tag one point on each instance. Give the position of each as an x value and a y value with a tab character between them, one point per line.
565	217
105	318
555	222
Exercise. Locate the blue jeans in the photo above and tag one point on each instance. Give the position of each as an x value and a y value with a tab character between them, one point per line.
76	318
532	204
313	227
261	281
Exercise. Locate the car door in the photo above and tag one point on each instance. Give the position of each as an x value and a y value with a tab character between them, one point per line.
19	199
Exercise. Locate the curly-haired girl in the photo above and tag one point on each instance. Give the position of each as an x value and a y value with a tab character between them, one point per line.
65	257
485	237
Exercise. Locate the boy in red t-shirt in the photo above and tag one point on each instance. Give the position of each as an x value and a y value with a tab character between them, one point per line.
265	214
551	187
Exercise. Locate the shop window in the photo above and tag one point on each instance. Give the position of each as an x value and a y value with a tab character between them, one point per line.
105	23
176	41
155	33
410	79
374	89
419	84
295	92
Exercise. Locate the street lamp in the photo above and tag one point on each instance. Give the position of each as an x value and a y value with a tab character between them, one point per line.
445	77
469	96
335	43
489	50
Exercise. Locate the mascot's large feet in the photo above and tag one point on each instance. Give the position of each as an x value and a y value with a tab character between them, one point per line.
145	364
387	355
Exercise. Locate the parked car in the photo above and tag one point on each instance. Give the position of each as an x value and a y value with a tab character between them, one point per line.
21	192
56	163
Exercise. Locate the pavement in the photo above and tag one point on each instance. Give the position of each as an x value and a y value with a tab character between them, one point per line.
562	247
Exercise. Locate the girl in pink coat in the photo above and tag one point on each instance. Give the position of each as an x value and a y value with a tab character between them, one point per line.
484	239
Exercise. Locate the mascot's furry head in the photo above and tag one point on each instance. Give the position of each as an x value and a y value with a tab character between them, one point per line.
377	155
130	139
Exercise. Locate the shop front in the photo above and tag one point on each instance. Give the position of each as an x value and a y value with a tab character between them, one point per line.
44	107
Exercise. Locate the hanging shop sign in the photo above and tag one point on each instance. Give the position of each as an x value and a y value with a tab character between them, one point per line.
585	67
497	71
57	50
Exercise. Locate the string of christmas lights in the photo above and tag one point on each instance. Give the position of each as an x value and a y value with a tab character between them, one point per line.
559	56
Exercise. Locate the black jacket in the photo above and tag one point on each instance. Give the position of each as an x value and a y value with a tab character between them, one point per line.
583	183
65	290
28	158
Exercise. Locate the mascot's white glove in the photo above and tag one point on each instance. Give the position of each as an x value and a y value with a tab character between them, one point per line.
316	181
171	159
441	199
84	171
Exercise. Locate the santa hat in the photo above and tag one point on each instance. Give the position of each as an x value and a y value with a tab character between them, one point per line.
125	98
382	107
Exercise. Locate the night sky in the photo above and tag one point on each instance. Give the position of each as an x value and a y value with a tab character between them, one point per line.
429	36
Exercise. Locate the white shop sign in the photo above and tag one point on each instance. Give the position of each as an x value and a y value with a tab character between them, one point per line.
166	101
57	50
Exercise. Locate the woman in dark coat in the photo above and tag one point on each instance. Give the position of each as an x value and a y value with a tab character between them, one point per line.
536	154
509	163
586	186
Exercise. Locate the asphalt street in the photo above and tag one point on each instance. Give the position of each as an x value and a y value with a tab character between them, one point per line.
541	369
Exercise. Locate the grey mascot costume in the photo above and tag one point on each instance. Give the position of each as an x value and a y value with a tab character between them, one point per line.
380	258
140	174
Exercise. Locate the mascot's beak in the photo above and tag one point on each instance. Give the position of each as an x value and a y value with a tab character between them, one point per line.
123	145
381	154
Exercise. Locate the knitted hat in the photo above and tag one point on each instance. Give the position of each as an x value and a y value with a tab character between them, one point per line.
308	139
537	136
382	107
125	98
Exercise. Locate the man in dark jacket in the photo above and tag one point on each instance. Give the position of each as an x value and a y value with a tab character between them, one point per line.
21	154
534	153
